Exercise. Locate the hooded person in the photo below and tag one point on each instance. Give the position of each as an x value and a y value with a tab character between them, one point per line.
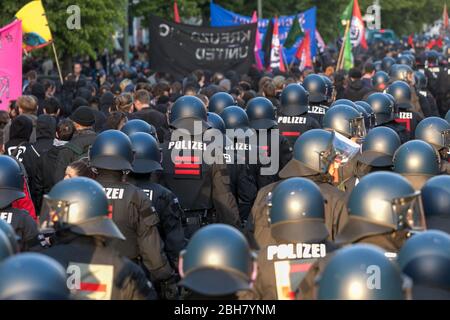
45	133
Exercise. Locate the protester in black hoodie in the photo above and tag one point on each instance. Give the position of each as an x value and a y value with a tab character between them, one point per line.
356	90
45	133
20	148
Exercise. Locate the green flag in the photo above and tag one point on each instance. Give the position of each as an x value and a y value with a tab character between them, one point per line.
348	55
347	14
294	33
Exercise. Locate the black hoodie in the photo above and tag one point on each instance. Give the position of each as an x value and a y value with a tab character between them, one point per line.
45	133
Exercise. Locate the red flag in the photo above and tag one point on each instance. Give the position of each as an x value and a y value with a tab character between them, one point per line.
358	25
445	17
258	61
411	41
176	15
276	60
304	52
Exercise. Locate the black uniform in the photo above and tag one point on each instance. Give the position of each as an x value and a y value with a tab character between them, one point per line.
426	97
400	128
317	111
409	119
292	127
169	212
204	190
103	273
136	218
24	226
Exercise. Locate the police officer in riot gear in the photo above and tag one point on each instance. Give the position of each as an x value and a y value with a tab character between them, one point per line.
6	246
220	101
425	259
421	86
297	222
370	123
147	159
380	81
10	234
111	157
436	202
261	114
32	276
387	63
77	210
203	189
315	157
417	161
436	131
216	122
217	264
330	89
138	125
11	189
293	117
346	276
406	116
317	89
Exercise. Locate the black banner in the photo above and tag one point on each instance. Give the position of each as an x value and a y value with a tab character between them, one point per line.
180	48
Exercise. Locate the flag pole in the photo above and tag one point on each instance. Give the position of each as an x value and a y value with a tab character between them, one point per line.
341	52
57	63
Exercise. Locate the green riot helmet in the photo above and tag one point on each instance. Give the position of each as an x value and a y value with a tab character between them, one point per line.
296	212
417	161
425	258
383	108
361	272
345	120
81	205
217	261
32	276
435	131
382	202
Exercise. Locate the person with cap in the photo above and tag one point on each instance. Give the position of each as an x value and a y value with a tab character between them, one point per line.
435	195
356	90
417	161
425	259
406	115
348	276
21	149
76	211
147	160
261	115
297	225
217	264
11	189
315	157
436	131
78	146
219	101
317	89
292	116
33	276
203	189
111	158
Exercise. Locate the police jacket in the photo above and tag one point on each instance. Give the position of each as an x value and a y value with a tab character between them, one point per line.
292	127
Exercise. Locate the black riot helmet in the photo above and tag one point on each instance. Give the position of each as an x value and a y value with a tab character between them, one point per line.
261	113
436	202
421	80
382	202
8	230
6	248
147	155
296	212
387	63
294	100
417	161
425	258
111	150
216	122
345	120
220	101
347	276
383	108
138	125
235	117
186	112
379	147
344	102
32	276
11	181
401	91
317	88
380	80
81	205
371	120
435	131
217	261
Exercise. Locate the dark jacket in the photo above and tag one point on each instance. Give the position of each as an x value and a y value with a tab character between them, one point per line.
45	133
356	91
156	119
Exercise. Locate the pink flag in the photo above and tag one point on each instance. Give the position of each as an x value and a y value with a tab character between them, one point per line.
258	61
10	63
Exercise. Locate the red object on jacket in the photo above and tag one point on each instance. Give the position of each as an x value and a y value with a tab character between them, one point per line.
26	203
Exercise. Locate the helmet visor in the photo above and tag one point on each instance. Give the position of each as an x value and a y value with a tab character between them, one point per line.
409	213
341	150
446	138
357	127
53	212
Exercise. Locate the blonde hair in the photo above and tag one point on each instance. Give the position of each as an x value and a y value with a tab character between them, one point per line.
27	104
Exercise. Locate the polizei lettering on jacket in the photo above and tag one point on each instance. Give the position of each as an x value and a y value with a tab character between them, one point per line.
316	109
187	145
292	120
114	193
296	251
